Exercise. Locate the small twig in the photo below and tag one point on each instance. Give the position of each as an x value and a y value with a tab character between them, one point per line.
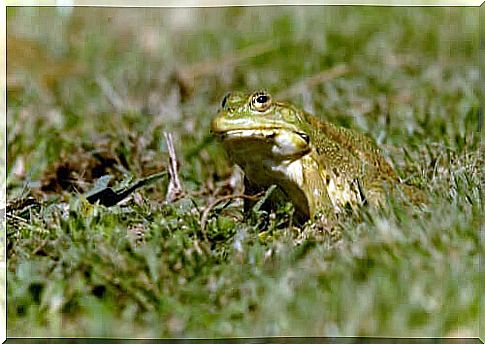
20	204
205	214
174	186
314	80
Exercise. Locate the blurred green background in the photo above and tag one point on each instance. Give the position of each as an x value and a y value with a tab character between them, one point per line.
90	92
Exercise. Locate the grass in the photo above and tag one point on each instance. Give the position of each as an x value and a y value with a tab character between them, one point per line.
91	93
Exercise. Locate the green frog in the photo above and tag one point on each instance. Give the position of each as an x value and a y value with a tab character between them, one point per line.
318	166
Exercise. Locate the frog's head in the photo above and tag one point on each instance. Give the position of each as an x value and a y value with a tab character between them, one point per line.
255	123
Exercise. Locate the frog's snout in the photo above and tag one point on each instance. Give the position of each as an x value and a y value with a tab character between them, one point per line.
218	127
213	127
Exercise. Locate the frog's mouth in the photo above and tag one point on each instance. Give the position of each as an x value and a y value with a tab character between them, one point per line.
267	133
249	133
276	142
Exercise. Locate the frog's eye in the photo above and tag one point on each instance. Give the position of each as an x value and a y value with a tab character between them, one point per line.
261	101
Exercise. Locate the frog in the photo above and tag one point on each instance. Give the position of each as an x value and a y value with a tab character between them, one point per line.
321	168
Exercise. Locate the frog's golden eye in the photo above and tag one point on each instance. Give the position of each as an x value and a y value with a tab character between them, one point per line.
261	101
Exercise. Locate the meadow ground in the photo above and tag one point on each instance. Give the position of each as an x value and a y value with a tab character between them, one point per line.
90	93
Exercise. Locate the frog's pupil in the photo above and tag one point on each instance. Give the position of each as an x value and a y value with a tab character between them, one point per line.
262	99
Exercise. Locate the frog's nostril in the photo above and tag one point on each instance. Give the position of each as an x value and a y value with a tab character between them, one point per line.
224	101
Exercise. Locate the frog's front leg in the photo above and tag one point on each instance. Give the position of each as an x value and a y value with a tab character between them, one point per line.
251	190
256	192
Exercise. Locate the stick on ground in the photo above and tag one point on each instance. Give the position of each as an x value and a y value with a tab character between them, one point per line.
174	186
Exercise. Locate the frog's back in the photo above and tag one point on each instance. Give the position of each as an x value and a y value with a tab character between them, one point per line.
358	144
379	174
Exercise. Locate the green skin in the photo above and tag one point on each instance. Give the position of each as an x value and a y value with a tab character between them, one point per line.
320	167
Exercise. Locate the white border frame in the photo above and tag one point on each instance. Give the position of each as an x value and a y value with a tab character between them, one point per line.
157	3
